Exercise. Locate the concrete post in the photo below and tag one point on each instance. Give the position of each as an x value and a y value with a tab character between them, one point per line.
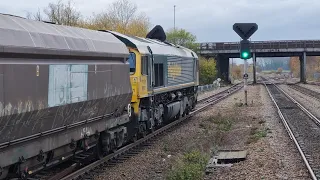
254	61
303	61
245	66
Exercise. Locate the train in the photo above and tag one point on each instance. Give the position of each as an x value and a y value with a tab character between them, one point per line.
67	90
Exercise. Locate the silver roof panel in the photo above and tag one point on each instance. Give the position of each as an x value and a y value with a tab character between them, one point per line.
156	46
16	32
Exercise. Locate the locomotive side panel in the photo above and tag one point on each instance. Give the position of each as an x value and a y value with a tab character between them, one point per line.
180	70
173	73
1	92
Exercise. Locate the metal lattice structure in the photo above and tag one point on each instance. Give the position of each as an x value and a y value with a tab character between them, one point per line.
261	46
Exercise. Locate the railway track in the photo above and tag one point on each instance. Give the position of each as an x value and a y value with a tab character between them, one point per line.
314	83
302	126
305	91
220	94
76	170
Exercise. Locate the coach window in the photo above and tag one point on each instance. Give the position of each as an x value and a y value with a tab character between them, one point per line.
132	62
144	65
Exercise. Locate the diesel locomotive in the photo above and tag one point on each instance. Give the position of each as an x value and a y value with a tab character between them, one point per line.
68	90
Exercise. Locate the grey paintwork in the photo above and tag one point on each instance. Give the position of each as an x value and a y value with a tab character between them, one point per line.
30	149
55	81
19	35
186	78
26	111
187	70
156	46
169	55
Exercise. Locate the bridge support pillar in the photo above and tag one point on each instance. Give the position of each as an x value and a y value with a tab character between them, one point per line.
303	60
223	68
254	61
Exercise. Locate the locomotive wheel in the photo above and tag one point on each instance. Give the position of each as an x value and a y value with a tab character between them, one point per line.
143	133
106	147
98	150
152	129
185	112
159	122
177	116
142	130
188	110
114	145
134	138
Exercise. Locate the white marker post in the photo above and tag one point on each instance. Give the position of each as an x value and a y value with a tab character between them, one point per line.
245	81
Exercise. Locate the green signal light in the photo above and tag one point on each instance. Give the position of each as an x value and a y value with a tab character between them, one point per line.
245	55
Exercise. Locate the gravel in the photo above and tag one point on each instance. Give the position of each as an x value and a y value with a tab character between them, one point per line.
271	157
311	87
206	94
311	104
305	130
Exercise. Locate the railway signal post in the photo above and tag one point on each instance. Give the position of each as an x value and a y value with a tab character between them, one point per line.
245	31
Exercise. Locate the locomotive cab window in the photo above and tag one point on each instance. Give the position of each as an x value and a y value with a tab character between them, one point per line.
132	62
144	65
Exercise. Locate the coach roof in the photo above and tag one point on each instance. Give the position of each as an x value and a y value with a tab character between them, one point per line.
21	35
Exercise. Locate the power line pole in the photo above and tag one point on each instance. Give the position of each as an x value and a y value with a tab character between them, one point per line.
174	17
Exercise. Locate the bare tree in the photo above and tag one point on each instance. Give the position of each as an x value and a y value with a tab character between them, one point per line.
121	12
122	16
64	14
37	16
29	15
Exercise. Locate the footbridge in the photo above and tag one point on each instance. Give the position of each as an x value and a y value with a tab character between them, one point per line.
222	51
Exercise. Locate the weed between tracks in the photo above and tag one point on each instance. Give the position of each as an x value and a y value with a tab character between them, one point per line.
228	128
256	134
191	163
190	167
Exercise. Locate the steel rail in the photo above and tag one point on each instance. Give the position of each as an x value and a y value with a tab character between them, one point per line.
219	93
313	117
301	89
289	129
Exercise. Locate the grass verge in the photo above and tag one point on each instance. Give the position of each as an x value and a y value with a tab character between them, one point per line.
190	167
256	134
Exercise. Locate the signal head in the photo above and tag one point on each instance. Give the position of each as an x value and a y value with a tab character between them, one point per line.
245	49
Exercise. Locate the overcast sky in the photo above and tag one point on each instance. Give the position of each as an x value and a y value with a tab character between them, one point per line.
210	20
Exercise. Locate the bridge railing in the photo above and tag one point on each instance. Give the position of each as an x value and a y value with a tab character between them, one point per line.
261	45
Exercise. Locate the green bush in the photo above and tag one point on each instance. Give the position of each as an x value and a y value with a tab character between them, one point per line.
207	71
256	134
224	124
191	167
195	157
